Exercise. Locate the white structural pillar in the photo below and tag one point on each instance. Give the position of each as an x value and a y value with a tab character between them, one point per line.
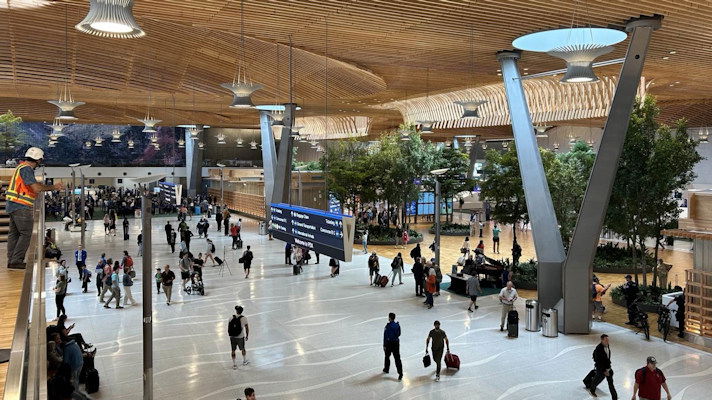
578	269
545	229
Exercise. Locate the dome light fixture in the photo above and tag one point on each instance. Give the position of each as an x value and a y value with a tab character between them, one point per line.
471	108
154	139
579	47
277	117
116	136
130	143
111	19
194	132
242	92
704	135
556	146
201	145
181	143
98	141
426	126
541	130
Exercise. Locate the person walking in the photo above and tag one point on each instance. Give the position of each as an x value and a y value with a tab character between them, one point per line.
85	277
415	253
234	235
247	257
20	199
679	313
185	265
397	269
209	251
168	228
602	365
167	278
495	239
226	220
507	296
218	219
373	268
630	293
598	291
128	282
391	345
465	248
60	291
125	224
334	264
417	271
115	289
172	240
158	279
438	278
80	258
107	223
239	332
649	380
99	271
430	282
364	241
105	280
472	287
139	241
439	343
288	254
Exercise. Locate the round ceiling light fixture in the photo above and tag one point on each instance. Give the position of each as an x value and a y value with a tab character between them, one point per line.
277	117
194	131
111	19
253	145
579	47
66	104
98	141
239	142
57	128
471	108
242	93
201	145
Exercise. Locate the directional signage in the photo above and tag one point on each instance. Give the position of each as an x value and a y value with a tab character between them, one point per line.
327	233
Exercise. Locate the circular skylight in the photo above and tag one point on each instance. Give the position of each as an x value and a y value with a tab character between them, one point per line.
546	41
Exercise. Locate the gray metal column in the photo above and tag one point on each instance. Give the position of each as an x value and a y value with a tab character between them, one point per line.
438	198
545	229
283	172
147	306
82	203
579	264
269	158
193	163
473	159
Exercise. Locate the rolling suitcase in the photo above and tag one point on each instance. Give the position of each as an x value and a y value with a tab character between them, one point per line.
383	281
513	324
589	378
295	269
92	385
239	243
218	260
452	361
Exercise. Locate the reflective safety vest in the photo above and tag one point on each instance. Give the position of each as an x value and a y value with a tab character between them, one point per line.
18	191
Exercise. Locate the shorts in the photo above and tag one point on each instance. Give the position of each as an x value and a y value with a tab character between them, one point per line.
246	266
184	275
372	271
598	306
237	342
473	298
496	240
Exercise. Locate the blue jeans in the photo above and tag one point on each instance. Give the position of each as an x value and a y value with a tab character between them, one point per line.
18	239
428	298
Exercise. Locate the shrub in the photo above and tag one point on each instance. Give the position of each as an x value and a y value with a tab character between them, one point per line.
378	233
525	274
449	228
614	259
650	295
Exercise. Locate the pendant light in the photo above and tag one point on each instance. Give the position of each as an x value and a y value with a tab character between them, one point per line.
556	146
239	142
130	143
112	19
221	138
448	143
57	127
471	108
541	130
242	86
426	126
295	132
181	143
52	143
704	135
194	132
53	137
505	144
98	140
156	146
116	136
65	101
154	139
201	145
87	144
484	146
253	145
148	121
277	117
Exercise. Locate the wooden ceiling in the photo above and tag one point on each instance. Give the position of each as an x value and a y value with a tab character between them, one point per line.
379	51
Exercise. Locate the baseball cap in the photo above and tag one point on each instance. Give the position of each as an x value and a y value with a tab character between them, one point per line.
628	276
651	360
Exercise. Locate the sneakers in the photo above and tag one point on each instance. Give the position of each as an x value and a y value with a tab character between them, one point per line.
234	366
105	306
437	378
119	307
501	329
245	362
385	371
476	307
400	377
470	310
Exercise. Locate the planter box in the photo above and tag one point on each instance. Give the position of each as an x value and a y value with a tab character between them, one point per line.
645	307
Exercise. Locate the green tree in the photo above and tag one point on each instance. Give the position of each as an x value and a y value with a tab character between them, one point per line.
655	162
455	180
348	175
11	134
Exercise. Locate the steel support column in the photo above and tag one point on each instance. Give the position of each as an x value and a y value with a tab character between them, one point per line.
82	204
147	306
579	263
283	172
438	199
269	158
545	229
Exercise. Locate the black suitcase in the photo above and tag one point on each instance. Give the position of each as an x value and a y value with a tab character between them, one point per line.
513	324
239	243
218	260
92	384
88	364
296	269
589	378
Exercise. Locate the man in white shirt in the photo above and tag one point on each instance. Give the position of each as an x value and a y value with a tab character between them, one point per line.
507	296
239	331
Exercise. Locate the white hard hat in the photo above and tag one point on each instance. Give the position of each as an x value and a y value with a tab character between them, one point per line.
35	153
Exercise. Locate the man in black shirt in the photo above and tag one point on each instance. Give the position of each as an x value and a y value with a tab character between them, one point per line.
418	276
168	228
630	292
602	365
415	253
247	261
680	313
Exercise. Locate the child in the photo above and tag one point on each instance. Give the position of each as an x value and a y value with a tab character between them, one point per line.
157	276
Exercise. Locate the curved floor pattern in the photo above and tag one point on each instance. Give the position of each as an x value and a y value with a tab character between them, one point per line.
313	337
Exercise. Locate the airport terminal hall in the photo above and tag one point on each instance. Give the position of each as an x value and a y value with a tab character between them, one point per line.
355	199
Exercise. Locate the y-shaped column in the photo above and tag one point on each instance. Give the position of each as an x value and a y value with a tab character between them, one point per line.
545	229
579	263
269	158
283	174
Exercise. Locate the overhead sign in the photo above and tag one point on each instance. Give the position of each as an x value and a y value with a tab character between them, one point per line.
327	233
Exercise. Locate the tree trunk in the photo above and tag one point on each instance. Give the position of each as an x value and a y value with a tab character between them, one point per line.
631	245
655	266
642	261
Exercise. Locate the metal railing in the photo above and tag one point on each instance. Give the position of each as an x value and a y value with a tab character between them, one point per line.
27	373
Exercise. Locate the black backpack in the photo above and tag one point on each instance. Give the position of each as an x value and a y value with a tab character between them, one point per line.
212	248
234	328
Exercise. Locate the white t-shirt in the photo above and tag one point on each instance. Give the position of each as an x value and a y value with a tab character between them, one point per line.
243	323
508	295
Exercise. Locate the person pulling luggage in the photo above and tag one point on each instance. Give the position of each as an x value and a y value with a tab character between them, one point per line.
507	296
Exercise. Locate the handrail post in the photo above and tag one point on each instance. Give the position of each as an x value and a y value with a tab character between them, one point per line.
147	298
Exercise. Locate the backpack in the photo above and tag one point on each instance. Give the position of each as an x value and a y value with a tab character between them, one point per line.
594	292
212	248
234	328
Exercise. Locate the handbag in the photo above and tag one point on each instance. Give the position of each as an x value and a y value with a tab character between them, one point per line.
426	360
241	260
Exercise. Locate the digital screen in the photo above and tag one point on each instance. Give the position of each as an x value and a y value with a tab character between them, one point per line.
324	232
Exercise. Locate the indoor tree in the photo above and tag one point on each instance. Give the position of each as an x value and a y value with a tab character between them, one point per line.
455	180
11	134
348	174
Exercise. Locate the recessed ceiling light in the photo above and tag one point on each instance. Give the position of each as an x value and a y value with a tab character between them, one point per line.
666	58
499	70
526	73
673	52
676	82
499	74
671	85
526	69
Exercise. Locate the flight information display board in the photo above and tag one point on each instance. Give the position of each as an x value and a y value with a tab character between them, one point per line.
327	233
170	193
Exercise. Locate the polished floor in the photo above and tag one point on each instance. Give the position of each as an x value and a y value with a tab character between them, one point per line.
316	337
